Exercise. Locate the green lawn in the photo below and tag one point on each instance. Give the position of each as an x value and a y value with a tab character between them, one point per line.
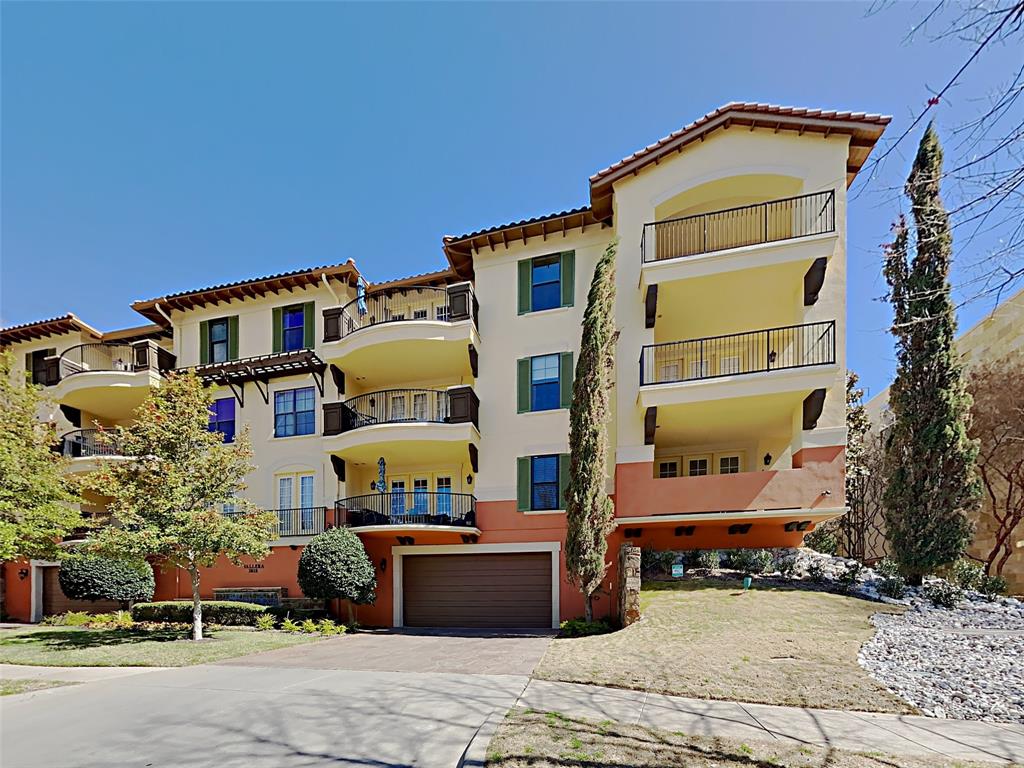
709	639
528	739
76	647
11	687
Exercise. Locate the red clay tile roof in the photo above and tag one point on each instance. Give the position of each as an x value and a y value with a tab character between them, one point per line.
256	286
40	329
864	130
459	248
438	277
748	108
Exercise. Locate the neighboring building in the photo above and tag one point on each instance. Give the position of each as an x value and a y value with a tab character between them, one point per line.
999	334
729	402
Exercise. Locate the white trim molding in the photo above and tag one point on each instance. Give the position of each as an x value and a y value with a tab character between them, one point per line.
819	514
398	552
36	605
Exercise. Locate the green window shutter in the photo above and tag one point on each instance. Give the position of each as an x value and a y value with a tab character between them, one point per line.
204	342
563	478
523	483
525	286
278	329
565	379
568	270
523	385
308	318
233	337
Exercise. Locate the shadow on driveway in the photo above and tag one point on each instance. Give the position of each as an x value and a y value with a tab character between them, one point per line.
459	651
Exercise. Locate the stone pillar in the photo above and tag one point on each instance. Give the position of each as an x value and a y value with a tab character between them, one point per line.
629	584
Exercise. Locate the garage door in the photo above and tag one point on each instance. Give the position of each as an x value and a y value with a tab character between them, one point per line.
500	590
54	600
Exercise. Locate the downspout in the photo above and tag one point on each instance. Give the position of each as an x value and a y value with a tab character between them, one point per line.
163	314
327	285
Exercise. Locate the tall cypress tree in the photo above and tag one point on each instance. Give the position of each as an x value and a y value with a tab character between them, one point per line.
931	481
589	511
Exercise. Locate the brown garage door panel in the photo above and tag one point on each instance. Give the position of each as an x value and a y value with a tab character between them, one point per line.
488	590
54	600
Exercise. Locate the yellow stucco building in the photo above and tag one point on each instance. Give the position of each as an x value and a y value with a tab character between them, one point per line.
729	391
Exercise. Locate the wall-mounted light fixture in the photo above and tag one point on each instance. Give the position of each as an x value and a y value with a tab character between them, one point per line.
469	479
383	564
767	459
23	573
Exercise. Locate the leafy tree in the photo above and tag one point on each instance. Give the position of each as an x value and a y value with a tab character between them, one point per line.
335	566
102	578
589	510
166	491
929	456
36	500
997	423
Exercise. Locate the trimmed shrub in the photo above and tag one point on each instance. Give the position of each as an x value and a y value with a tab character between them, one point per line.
706	558
942	593
751	560
334	565
887	568
225	612
580	627
89	577
894	586
965	573
822	539
848	578
992	586
786	565
264	622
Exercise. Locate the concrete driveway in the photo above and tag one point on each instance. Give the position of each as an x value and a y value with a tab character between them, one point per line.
390	699
462	651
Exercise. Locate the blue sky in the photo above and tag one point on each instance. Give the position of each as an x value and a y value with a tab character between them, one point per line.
154	147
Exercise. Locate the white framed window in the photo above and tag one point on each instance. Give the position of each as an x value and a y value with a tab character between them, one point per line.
728	463
296	499
228	507
668	467
668	372
729	364
698	466
698	369
397	407
419	406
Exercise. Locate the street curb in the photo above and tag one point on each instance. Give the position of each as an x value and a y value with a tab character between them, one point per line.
475	753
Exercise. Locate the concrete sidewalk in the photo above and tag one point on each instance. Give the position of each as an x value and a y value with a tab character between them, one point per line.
70	674
853	731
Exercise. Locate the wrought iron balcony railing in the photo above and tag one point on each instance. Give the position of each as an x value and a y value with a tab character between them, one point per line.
400	406
299	521
82	443
775	220
771	349
108	356
392	305
407	508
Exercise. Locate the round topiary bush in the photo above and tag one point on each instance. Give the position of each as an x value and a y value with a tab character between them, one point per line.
334	565
99	578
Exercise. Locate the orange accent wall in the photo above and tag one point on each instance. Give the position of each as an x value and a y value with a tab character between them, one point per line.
638	492
767	534
18	597
279	569
499	521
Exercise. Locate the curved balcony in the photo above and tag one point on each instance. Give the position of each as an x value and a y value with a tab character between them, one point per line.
413	510
86	450
107	379
410	423
385	335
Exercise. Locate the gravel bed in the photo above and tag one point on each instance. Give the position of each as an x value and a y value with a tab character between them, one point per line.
965	662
